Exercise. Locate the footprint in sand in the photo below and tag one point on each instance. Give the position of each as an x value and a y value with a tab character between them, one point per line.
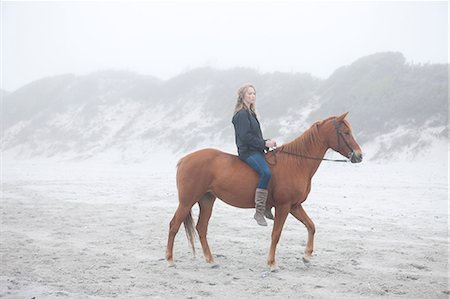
420	267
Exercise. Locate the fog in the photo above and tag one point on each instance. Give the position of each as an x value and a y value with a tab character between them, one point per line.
164	39
88	152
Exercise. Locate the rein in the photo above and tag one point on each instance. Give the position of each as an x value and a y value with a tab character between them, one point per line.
338	134
281	150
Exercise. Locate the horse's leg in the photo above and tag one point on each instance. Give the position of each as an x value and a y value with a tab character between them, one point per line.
180	214
299	213
281	214
206	206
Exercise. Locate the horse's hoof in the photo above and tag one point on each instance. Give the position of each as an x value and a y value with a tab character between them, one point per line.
273	268
170	264
307	261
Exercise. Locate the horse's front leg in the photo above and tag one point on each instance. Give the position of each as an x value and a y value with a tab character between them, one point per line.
281	214
299	213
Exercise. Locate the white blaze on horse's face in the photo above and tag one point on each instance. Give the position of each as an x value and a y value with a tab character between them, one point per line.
354	153
345	143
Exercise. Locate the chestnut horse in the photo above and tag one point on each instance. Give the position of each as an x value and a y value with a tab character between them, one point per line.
207	174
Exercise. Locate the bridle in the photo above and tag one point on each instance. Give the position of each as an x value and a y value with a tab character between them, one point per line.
337	125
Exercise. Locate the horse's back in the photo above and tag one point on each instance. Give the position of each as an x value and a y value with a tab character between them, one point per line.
223	174
205	163
206	155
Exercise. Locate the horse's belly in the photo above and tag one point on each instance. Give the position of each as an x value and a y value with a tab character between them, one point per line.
236	197
234	183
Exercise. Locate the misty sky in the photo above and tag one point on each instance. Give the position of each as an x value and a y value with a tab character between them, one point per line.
163	39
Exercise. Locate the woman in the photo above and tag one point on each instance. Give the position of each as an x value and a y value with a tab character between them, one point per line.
251	146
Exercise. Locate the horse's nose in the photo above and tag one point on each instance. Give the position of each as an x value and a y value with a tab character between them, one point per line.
356	157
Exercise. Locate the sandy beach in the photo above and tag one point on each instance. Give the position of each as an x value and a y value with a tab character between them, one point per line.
90	230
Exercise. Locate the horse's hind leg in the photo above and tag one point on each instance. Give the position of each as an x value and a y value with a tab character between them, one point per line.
299	213
206	206
180	215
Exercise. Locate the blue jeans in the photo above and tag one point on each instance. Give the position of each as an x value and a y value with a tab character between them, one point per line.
258	162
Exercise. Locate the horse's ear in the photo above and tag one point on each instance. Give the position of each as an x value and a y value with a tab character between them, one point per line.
341	118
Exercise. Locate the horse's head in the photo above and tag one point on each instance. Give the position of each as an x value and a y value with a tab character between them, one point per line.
337	132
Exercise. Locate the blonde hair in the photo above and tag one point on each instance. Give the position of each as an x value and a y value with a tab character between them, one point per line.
240	99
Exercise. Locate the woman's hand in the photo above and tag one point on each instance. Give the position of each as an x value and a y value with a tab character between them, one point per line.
271	143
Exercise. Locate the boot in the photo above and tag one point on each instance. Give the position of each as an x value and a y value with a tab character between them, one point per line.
260	205
268	214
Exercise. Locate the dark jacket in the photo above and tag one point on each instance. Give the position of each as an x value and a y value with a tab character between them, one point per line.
248	133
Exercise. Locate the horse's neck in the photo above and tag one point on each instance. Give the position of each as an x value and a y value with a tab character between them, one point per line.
309	148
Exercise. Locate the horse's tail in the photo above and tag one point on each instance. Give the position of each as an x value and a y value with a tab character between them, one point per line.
190	230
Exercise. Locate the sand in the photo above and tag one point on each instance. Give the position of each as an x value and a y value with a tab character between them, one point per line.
96	230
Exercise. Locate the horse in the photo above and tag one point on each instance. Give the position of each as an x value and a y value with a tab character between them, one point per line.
207	174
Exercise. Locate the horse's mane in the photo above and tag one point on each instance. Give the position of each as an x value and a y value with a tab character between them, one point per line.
307	140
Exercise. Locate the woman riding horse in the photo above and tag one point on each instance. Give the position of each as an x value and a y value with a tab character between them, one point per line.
207	174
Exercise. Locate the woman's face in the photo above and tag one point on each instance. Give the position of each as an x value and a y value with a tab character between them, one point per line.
250	96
